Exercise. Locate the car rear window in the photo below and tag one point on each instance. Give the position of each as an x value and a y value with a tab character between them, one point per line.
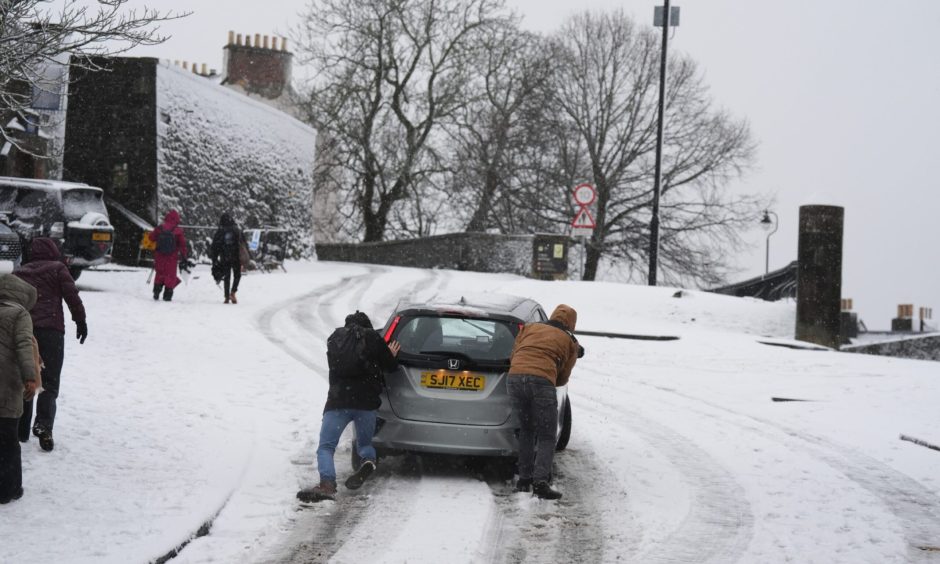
79	202
482	339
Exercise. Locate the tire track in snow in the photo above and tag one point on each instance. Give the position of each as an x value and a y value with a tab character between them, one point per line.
912	504
719	524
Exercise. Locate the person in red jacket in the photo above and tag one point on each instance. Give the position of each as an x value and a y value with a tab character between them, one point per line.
46	272
171	249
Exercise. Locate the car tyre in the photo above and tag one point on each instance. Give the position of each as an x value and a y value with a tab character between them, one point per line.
565	434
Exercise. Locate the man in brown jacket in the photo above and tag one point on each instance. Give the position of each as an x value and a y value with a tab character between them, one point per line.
542	359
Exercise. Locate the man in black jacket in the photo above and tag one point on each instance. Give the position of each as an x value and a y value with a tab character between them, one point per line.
357	356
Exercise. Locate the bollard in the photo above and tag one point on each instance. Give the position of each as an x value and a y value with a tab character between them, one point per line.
819	280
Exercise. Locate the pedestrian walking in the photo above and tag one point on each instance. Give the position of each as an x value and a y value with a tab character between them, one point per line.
225	252
542	358
46	272
357	356
19	377
170	250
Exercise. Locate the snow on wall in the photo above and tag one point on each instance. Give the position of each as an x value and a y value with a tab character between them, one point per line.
218	150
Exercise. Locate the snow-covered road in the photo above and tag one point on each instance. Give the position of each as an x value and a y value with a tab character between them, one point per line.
176	415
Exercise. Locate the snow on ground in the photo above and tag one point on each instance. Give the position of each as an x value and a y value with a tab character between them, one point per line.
177	414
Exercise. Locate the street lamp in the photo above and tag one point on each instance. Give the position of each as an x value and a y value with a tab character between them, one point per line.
767	224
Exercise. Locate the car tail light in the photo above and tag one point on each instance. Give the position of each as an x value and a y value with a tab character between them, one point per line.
391	328
57	230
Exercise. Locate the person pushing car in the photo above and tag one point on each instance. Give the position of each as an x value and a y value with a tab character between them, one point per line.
542	359
357	356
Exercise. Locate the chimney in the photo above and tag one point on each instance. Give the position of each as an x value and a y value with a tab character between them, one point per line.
259	66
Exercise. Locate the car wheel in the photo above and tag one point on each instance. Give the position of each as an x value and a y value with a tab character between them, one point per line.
565	434
75	272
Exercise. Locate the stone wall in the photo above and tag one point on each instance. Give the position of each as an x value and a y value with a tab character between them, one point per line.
479	252
922	347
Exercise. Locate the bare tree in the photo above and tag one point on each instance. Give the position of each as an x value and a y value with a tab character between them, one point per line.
605	91
490	135
38	33
389	73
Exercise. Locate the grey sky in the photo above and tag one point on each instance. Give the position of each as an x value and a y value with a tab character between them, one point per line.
843	98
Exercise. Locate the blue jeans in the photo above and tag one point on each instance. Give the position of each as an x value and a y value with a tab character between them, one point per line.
536	405
334	422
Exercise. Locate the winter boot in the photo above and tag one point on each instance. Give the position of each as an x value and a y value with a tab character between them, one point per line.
365	470
168	295
16	495
326	490
523	485
157	288
45	437
234	299
228	299
544	491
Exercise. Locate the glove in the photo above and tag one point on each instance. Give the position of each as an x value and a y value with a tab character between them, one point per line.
186	264
81	332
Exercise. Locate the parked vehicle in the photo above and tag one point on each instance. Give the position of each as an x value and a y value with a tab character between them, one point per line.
449	393
11	252
72	213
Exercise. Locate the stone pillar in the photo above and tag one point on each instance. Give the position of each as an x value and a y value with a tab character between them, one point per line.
819	281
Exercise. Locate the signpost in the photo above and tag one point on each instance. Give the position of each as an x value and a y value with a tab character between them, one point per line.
582	226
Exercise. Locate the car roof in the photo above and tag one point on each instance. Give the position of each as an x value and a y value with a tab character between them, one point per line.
472	304
50	185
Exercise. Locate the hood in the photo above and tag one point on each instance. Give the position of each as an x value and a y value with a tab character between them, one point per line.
13	289
44	248
566	315
359	319
171	220
226	221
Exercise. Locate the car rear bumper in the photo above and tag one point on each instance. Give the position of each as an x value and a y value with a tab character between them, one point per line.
396	434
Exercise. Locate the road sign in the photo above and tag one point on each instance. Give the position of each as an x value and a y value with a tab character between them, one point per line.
584	194
584	219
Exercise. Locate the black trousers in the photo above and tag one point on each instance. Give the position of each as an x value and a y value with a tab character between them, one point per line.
233	275
536	405
11	465
52	351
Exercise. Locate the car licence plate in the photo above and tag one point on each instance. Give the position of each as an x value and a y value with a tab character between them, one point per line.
444	380
103	236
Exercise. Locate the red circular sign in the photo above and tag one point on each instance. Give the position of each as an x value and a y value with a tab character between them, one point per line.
584	194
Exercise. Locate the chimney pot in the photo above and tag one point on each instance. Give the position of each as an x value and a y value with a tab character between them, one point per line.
284	44
205	72
195	68
231	37
274	43
238	39
257	40
185	65
265	41
247	40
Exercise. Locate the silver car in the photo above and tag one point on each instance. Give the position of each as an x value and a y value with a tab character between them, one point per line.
449	393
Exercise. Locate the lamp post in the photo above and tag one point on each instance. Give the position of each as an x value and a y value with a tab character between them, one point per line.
669	18
767	224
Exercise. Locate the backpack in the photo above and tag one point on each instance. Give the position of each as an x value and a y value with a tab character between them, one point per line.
346	353
230	246
166	242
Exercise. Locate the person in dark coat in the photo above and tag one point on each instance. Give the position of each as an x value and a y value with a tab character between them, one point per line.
46	272
18	378
226	256
542	359
356	380
171	249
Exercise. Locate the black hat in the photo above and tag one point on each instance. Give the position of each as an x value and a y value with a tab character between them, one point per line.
359	319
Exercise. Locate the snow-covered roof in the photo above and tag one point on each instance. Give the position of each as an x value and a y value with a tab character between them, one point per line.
45	184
